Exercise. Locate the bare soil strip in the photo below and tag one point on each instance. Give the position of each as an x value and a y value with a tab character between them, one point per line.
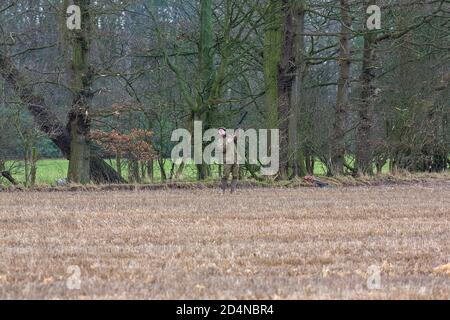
425	179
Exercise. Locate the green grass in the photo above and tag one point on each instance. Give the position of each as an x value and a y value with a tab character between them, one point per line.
49	171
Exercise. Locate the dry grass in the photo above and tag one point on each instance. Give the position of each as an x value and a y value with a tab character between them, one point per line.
195	244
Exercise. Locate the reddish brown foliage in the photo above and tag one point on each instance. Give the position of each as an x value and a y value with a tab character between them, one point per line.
136	144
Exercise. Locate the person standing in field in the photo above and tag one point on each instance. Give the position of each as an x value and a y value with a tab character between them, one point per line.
228	147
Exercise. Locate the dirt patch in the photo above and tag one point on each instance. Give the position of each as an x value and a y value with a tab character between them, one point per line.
442	179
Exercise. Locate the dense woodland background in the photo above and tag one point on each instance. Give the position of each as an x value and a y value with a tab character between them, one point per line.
351	99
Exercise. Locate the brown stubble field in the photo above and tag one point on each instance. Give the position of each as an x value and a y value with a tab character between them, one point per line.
196	244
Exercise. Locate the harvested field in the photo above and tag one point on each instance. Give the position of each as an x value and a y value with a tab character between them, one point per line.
389	242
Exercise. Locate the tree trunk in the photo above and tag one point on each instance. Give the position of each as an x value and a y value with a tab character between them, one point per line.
101	172
150	171
81	82
44	119
206	74
33	166
47	122
310	163
272	55
79	160
295	150
7	175
204	85
338	139
206	58
133	170
286	78
162	169
143	166
119	163
26	167
364	147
